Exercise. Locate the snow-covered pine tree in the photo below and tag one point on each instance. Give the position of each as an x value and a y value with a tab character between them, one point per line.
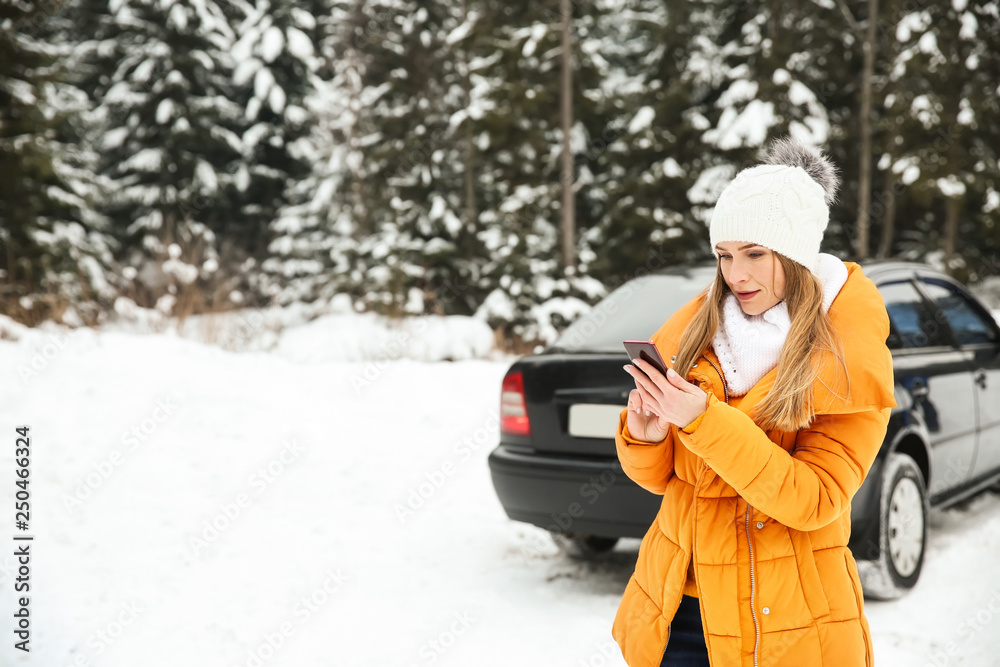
275	58
661	66
314	251
519	137
782	68
96	41
981	48
460	288
412	175
170	145
55	250
943	115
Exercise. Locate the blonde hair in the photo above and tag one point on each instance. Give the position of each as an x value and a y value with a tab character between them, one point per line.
788	405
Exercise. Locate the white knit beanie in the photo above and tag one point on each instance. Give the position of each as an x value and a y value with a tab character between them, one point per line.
782	204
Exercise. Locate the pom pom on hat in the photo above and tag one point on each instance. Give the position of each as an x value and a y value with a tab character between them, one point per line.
818	166
782	204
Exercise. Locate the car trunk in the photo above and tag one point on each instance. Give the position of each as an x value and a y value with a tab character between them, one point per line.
574	401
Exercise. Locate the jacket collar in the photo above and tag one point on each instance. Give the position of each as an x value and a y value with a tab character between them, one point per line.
859	317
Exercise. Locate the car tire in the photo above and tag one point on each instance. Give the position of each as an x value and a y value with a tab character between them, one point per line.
584	547
903	509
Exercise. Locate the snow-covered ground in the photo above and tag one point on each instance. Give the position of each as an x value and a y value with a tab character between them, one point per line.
196	506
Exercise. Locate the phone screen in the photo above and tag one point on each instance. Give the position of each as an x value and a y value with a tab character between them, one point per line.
645	350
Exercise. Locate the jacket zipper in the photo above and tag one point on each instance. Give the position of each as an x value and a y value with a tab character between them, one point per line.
668	641
753	589
753	577
725	389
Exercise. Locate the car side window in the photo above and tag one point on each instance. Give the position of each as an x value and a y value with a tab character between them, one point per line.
964	319
912	322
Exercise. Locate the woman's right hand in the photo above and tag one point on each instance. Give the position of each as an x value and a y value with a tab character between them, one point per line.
643	424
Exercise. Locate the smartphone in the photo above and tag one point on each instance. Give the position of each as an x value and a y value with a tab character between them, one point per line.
645	350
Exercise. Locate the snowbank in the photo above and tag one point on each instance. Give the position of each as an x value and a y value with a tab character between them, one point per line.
312	333
364	337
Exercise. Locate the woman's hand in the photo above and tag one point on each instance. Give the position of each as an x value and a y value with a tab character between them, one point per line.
642	424
658	401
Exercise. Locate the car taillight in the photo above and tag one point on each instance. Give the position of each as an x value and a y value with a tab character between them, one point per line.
513	412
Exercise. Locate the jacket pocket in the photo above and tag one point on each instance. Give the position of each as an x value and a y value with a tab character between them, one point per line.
812	585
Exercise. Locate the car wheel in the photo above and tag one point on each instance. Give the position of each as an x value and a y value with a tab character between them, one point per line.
584	547
902	531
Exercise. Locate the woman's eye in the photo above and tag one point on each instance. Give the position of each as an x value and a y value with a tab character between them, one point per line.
755	255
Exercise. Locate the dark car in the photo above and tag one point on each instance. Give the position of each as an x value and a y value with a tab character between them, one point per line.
556	466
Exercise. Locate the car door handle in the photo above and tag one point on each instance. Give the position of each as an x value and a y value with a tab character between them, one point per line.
981	379
919	389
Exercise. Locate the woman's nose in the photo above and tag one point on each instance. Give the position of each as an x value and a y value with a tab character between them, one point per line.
738	272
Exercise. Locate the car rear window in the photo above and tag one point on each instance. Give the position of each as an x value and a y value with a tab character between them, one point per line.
636	310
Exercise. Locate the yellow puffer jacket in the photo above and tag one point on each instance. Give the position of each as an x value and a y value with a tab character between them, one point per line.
765	515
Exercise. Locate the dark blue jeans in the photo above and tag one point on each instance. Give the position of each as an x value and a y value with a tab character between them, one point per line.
686	644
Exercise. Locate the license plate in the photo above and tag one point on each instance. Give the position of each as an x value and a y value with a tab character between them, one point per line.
590	420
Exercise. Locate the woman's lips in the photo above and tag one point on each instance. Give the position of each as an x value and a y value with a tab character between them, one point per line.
743	296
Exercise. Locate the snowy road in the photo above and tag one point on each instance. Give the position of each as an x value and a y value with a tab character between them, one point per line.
198	507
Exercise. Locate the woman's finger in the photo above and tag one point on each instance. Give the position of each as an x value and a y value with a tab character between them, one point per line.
675	380
652	399
643	381
652	373
634	401
650	404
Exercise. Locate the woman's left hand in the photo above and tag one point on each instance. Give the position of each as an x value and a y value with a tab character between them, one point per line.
672	397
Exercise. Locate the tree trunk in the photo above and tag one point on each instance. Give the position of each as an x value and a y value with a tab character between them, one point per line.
170	229
471	212
359	208
865	171
953	206
889	217
568	177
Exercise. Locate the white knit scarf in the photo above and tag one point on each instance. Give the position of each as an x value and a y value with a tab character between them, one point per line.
748	346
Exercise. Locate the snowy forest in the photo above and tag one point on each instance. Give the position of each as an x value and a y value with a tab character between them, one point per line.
466	157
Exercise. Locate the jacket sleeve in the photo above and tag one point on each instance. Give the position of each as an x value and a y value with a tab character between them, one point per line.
805	489
648	464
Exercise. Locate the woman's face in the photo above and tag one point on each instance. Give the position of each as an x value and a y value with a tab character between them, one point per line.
753	273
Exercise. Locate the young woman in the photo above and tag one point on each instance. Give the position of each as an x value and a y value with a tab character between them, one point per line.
772	412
